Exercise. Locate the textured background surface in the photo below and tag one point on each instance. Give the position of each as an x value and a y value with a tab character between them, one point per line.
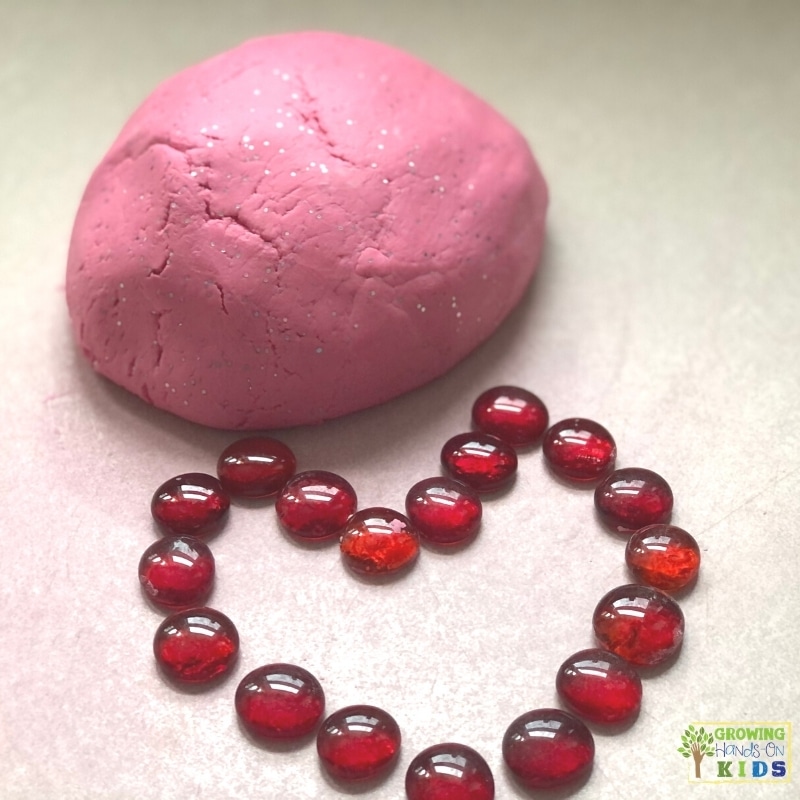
665	309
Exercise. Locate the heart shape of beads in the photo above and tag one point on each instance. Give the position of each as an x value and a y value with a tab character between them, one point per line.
638	625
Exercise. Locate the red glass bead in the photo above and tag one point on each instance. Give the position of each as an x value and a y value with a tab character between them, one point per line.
444	511
177	572
315	505
483	462
640	624
193	504
663	556
579	449
629	499
196	646
379	541
449	772
255	467
358	743
600	687
512	414
279	701
547	747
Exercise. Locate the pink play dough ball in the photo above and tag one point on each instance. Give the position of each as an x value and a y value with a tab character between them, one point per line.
304	226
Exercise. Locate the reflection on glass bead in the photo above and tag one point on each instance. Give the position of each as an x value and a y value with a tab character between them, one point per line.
197	646
629	499
194	504
642	625
444	512
579	449
448	772
663	556
255	467
483	462
177	572
358	743
600	687
512	414
547	748
379	541
279	701
315	505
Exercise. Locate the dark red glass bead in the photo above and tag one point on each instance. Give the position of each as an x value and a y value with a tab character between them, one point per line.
579	449
480	460
279	701
449	772
177	572
255	467
642	625
663	556
193	504
315	505
378	541
629	499
196	646
547	747
358	743
444	511
600	686
512	414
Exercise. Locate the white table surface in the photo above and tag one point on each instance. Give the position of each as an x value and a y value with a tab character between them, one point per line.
666	308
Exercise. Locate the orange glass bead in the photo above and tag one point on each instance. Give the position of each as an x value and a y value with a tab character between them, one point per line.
378	541
663	556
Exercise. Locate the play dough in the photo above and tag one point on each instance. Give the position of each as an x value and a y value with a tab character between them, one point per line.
301	227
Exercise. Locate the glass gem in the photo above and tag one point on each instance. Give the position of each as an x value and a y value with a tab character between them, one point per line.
194	504
629	499
177	572
512	414
641	624
358	743
378	541
255	467
279	701
444	512
196	646
483	462
315	505
663	556
449	772
547	748
600	687
579	449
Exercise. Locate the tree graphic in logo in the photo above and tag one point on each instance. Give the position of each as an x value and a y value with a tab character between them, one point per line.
696	744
